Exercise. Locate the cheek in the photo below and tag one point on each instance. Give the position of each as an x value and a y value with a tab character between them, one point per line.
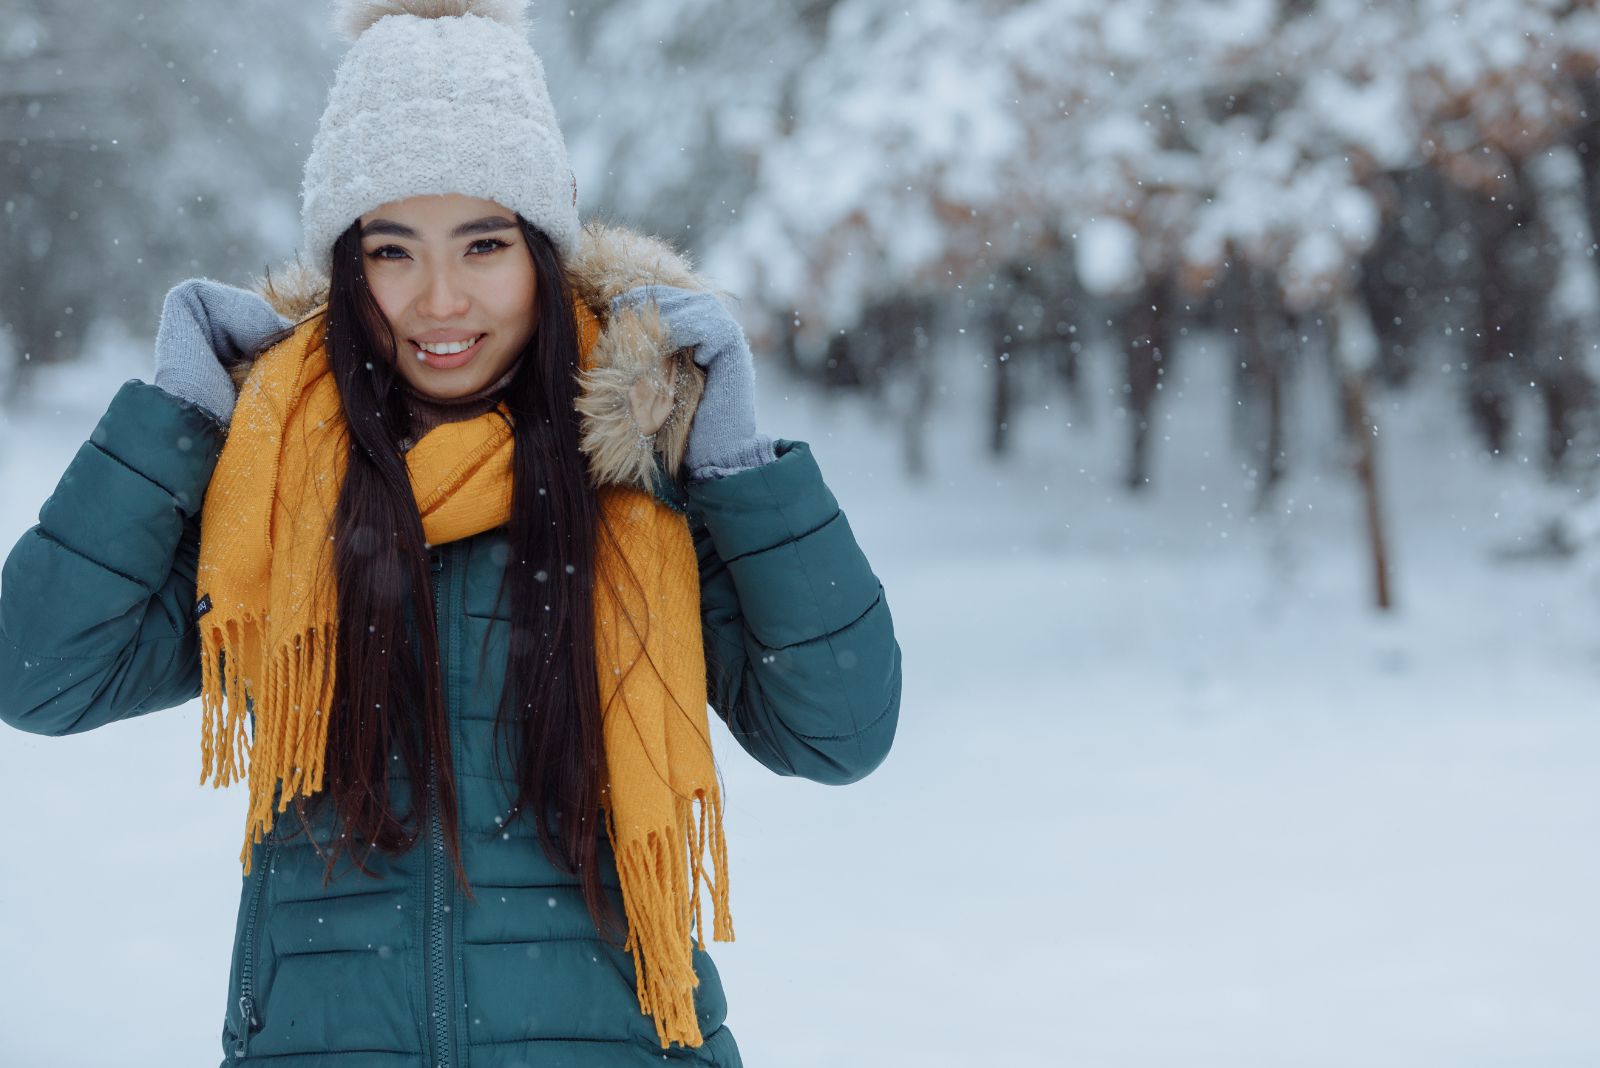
517	302
390	301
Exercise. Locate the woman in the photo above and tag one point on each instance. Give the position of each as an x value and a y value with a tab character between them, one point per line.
454	575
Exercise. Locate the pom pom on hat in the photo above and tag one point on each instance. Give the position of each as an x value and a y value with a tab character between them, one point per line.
352	17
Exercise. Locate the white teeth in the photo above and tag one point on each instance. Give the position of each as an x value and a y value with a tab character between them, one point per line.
448	348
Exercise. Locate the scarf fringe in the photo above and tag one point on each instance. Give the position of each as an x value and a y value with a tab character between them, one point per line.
284	750
654	867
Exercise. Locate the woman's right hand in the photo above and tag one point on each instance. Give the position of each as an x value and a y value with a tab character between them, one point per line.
205	327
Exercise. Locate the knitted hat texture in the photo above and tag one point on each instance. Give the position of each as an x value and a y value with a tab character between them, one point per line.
436	96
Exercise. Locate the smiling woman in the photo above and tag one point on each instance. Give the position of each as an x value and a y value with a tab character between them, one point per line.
456	282
455	573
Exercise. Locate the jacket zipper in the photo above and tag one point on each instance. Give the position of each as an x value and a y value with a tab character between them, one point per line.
248	1020
438	906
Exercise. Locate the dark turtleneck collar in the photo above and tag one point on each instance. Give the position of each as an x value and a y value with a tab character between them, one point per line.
429	412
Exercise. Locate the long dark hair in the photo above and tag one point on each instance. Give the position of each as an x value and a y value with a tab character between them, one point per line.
388	694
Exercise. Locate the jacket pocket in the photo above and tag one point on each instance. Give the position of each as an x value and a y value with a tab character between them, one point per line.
243	1019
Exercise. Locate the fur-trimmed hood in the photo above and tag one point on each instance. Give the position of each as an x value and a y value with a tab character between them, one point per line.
638	394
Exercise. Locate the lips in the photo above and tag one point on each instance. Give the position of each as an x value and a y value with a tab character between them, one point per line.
441	362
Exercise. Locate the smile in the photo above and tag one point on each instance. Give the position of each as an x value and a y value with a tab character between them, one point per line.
443	355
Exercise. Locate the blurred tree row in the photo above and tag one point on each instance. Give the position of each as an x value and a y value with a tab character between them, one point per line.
1056	175
1384	195
141	144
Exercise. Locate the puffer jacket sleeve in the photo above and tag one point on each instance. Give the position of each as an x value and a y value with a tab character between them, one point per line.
97	600
801	657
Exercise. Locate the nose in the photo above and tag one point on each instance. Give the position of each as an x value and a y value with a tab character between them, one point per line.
443	297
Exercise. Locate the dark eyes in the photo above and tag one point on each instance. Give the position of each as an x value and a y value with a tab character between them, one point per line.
494	245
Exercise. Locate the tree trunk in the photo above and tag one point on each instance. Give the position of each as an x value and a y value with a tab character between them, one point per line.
1263	343
1148	330
914	422
910	378
789	343
1364	444
1000	409
1274	332
1500	356
1353	351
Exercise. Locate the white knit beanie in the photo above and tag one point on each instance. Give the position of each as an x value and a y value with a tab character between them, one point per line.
436	96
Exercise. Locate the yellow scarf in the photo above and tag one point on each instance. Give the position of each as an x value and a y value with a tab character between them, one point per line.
265	567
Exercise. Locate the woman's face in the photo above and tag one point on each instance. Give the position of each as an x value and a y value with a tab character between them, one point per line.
456	282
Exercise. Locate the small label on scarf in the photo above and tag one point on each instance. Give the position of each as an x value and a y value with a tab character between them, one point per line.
203	606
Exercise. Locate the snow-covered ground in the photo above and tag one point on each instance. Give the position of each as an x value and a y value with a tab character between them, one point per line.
1166	790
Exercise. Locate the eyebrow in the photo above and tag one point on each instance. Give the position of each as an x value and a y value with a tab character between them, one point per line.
486	225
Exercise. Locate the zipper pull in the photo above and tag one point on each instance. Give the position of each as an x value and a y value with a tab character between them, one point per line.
436	559
247	1014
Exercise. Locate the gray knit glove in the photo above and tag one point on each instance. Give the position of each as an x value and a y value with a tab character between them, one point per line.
723	439
206	327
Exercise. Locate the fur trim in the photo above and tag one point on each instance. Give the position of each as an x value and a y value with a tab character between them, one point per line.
298	290
614	259
636	400
635	368
352	17
638	395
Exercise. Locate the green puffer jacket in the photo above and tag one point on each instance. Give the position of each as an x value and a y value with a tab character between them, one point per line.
402	971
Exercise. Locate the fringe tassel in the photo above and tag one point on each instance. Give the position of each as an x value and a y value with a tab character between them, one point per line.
653	868
721	914
288	736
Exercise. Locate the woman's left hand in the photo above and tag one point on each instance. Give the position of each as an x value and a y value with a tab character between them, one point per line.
722	438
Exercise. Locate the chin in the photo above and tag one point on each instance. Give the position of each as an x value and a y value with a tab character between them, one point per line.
444	385
453	382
